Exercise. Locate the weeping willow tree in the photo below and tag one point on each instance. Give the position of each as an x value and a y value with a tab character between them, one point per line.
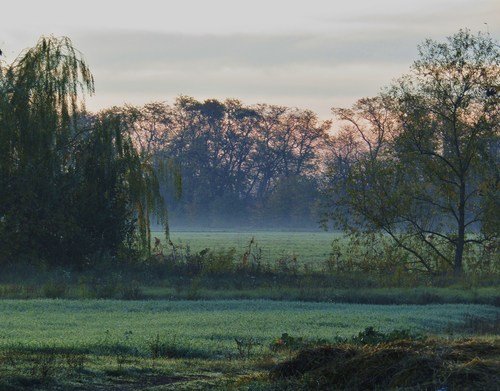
72	185
113	156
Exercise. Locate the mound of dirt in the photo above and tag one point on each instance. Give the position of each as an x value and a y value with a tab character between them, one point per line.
430	364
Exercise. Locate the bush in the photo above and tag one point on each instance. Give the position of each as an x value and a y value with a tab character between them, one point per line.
287	342
54	290
131	291
170	348
369	336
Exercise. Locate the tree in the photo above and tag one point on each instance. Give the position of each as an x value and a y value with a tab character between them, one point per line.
148	128
73	186
40	101
426	168
451	119
233	157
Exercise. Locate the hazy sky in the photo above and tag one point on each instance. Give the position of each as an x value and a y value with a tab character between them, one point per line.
312	53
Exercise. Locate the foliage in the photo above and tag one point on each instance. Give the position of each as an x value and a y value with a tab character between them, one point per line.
38	114
372	336
420	162
369	336
239	162
74	190
288	343
372	255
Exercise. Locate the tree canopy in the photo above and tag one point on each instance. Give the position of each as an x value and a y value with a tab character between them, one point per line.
420	162
73	186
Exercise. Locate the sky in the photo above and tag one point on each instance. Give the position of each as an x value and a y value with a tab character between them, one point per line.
311	54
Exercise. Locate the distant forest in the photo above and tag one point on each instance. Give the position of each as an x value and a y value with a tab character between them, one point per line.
241	166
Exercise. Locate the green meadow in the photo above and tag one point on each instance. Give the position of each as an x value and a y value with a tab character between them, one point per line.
193	345
307	247
208	328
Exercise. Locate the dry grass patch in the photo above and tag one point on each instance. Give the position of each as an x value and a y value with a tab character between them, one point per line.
426	364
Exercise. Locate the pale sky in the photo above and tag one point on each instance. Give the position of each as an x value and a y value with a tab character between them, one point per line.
312	54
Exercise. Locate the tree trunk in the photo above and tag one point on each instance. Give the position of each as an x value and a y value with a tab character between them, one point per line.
460	241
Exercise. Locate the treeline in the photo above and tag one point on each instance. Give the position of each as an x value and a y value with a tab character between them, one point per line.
246	166
411	175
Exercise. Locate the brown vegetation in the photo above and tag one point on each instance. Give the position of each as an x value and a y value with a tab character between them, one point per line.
425	364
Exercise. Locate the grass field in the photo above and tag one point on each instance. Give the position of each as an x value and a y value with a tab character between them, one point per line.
306	246
185	345
212	341
207	328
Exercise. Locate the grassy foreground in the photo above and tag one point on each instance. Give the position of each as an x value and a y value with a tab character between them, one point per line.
207	329
103	344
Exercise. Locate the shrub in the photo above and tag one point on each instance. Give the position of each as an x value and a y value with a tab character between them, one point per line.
287	264
288	343
220	261
54	290
131	291
245	346
170	348
371	336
